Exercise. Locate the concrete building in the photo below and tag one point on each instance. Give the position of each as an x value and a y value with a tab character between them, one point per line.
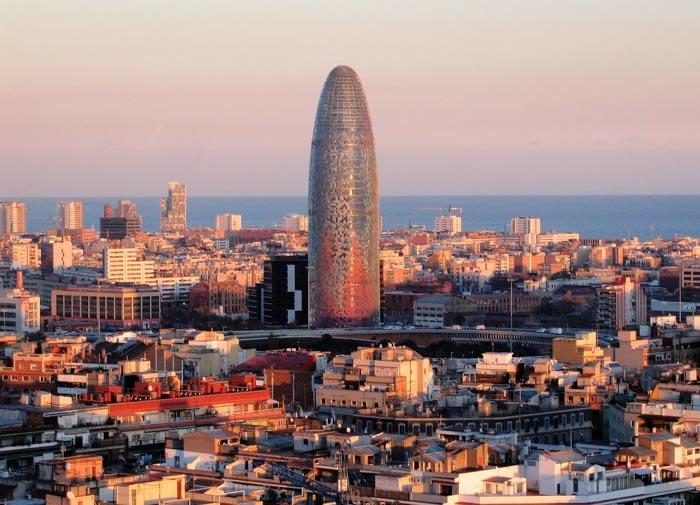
13	218
370	377
20	311
228	222
125	222
56	255
451	224
578	350
26	254
121	307
525	225
69	215
226	298
173	209
295	222
126	265
437	311
621	304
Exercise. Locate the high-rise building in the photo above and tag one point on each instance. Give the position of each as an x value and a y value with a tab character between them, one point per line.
448	224
173	209
282	297
228	222
343	208
524	225
295	222
69	215
56	255
120	224
26	254
126	265
13	218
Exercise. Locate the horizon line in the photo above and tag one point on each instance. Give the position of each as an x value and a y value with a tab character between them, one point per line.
407	195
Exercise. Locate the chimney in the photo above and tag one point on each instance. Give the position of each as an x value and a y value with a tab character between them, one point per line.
20	280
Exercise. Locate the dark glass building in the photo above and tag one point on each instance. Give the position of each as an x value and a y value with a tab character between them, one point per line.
282	298
343	208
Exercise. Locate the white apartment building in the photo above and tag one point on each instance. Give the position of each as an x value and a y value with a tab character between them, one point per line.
26	254
69	215
20	312
12	218
525	225
229	222
175	289
295	222
126	265
448	224
173	209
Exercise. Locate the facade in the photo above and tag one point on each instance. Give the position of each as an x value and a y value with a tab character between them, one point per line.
451	224
121	307
228	222
621	304
69	215
126	265
125	222
56	255
295	222
26	254
175	290
173	209
525	225
285	290
13	218
20	311
226	299
343	208
370	377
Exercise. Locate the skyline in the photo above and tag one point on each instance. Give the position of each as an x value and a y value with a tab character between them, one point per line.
164	91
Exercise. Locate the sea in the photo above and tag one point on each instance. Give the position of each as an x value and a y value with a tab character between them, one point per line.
592	216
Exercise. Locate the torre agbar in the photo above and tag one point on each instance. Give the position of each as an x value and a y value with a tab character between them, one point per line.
343	208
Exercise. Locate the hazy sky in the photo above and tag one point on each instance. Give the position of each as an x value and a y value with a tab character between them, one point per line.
493	97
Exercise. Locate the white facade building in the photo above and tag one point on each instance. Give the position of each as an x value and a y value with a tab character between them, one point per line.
229	222
125	265
69	215
12	218
295	222
20	312
448	224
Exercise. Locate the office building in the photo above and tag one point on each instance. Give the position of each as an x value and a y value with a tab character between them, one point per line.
343	208
69	215
13	218
120	223
120	308
228	222
281	298
448	224
173	209
126	265
295	222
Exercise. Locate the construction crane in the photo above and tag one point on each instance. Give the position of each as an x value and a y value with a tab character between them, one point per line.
339	495
450	209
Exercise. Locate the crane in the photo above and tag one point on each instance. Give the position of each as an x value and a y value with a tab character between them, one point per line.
340	496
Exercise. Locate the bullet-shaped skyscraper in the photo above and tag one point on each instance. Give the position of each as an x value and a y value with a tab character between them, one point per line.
343	208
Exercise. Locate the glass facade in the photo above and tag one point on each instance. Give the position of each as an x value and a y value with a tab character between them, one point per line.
343	208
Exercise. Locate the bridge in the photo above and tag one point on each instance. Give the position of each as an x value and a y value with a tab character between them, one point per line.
421	336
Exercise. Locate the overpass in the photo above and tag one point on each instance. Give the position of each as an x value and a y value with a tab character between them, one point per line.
421	336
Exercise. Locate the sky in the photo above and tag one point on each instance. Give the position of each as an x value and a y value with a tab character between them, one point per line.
115	98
